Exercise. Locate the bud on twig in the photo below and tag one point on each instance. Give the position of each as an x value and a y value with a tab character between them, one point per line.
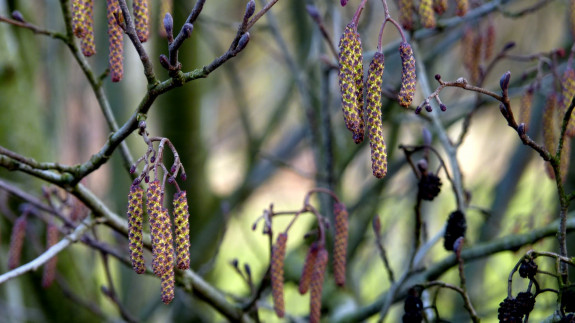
504	82
250	9
242	43
169	27
17	15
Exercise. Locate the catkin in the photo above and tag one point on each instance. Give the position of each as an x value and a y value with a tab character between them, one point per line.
461	7
572	17
550	129
17	241
154	207
374	122
307	270
408	77
525	108
115	39
87	43
426	14
567	93
565	154
182	230
317	286
79	18
440	6
135	223
141	19
168	286
489	41
351	81
277	274
340	243
406	14
50	266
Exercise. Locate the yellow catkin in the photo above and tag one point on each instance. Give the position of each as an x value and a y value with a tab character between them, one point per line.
168	286
277	274
550	129
461	7
489	41
567	94
115	39
307	269
316	286
87	43
182	230
426	14
156	219
17	241
50	266
165	7
135	224
440	6
408	77
406	14
340	243
374	121
79	15
525	107
565	154
141	19
351	81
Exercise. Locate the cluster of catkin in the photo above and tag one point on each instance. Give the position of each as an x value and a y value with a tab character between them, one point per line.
352	84
477	46
426	10
83	27
17	243
161	234
553	113
313	272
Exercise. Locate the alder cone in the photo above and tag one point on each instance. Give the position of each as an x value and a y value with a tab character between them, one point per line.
316	286
135	224
456	227
277	274
374	122
408	77
340	243
307	269
351	81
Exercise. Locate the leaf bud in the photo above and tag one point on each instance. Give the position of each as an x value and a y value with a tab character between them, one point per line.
428	107
17	15
243	42
442	107
504	81
521	129
132	169
187	29
169	25
250	9
164	61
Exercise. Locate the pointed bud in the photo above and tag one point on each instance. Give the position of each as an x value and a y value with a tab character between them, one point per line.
187	29
504	81
164	61
243	42
521	129
250	9
169	26
17	15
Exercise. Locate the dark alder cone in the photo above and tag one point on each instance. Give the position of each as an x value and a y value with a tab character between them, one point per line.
439	6
568	298
406	14
141	19
408	77
461	7
182	230
17	241
115	38
426	14
277	274
528	269
50	266
429	187
317	286
413	308
525	302
456	227
351	81
340	243
308	266
508	311
374	122
135	224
